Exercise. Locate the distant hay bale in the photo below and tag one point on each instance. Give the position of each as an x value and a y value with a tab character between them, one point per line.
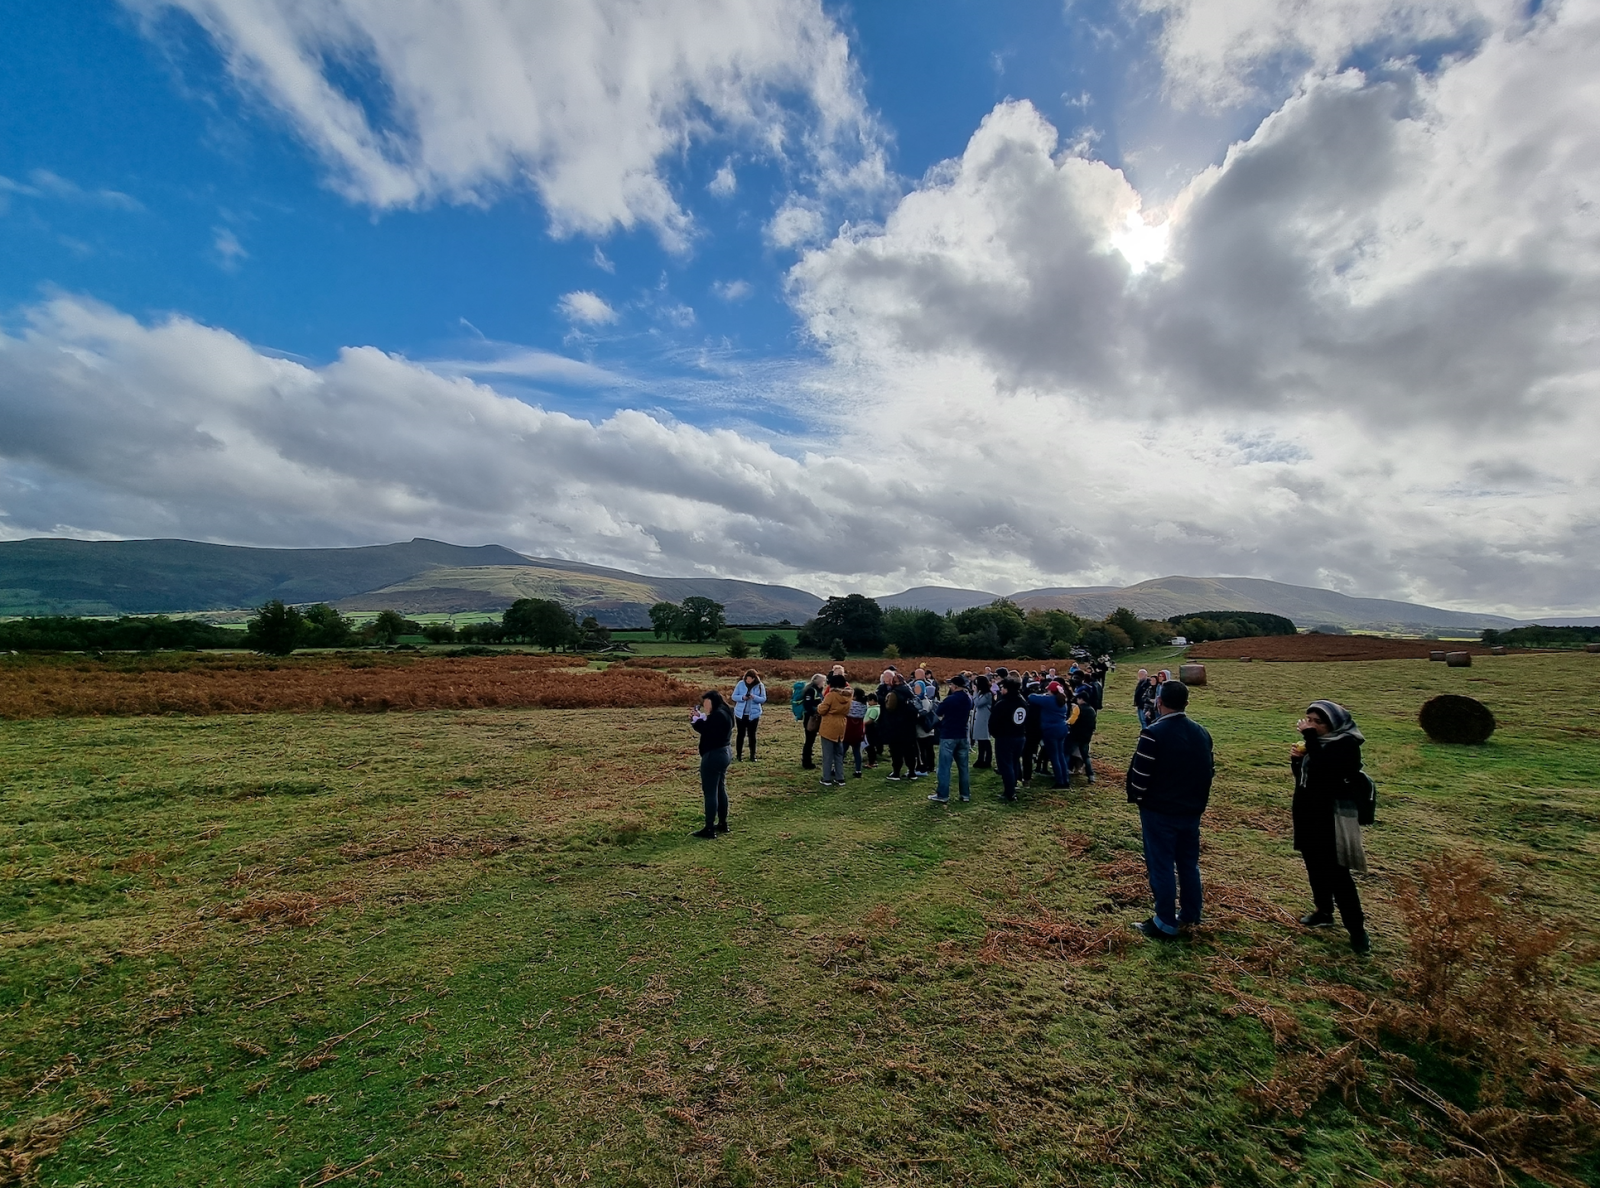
1439	656
1497	650
1458	659
1452	718
1594	647
1192	674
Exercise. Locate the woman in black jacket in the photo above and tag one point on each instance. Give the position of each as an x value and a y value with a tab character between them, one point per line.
1325	765
713	722
1008	723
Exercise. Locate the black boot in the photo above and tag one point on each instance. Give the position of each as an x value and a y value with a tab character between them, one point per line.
707	833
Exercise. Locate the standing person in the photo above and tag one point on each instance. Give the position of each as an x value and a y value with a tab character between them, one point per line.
1008	723
982	705
1053	728
855	727
898	721
1082	732
954	716
833	713
1031	731
1152	696
749	695
874	734
1169	778
926	691
810	700
713	722
1327	830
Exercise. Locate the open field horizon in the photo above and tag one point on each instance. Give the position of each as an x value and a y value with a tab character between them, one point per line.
478	945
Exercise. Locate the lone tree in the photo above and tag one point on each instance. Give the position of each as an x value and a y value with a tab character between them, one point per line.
542	622
733	639
664	619
389	626
776	647
838	651
275	630
854	618
325	627
699	619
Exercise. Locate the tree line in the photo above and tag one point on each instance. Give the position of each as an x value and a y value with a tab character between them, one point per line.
1542	637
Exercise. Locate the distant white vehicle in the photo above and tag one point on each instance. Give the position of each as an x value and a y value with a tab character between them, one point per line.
1179	642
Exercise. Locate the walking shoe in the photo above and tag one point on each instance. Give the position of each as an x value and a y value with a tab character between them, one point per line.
858	775
722	827
1317	920
1150	930
1360	943
706	834
966	800
935	798
1004	799
893	777
827	783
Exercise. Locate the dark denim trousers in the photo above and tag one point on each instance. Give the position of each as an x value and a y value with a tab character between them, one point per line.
747	729
1172	844
1056	746
955	751
714	784
1008	758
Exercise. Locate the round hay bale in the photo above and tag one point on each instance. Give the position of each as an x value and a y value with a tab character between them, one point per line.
1595	647
1192	674
1452	718
1439	656
1458	660
1497	650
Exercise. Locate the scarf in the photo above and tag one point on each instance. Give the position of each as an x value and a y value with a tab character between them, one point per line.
1343	725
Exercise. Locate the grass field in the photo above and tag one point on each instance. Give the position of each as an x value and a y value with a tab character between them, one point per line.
478	947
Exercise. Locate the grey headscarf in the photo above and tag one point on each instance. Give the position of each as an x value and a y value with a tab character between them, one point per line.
1339	719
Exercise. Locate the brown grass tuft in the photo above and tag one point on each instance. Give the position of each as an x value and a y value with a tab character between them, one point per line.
1047	934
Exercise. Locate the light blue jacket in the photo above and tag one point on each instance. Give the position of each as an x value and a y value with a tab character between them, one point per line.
747	701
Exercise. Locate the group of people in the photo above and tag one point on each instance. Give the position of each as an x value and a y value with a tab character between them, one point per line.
1027	722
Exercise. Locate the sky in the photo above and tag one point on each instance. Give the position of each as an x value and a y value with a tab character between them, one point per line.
846	296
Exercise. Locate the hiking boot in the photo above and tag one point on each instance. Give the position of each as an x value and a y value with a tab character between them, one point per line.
1150	930
1360	943
705	834
1317	920
722	827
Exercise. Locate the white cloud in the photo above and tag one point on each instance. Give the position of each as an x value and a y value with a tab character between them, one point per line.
725	182
734	290
42	183
585	101
602	261
795	224
1227	51
228	250
583	306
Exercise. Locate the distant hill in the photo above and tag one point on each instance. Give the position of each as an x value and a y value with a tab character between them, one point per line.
80	577
1307	606
939	599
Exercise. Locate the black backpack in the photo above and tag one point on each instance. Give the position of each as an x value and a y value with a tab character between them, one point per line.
1365	793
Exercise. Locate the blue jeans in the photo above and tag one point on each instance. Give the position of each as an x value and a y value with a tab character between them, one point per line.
1008	758
957	751
832	761
714	784
1055	746
1172	844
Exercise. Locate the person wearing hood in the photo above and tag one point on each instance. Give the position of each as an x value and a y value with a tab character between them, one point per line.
810	703
1327	830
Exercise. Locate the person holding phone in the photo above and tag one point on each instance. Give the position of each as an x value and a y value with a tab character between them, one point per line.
713	722
749	695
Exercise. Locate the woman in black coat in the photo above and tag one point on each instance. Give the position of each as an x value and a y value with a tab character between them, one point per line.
713	722
1325	765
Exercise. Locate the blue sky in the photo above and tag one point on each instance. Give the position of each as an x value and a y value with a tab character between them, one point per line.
1224	246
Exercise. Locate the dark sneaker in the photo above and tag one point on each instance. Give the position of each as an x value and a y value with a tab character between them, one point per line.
722	827
966	800
704	834
893	777
827	783
858	775
1360	943
1317	920
1150	930
935	798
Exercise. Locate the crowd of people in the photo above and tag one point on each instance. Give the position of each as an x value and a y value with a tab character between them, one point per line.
1035	723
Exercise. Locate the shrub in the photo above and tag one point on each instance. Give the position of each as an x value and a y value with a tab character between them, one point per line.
891	653
776	647
838	652
1452	718
275	630
734	641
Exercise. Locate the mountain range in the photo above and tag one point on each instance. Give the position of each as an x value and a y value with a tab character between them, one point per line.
78	577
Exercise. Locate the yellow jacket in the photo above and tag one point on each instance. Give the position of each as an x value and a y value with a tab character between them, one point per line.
835	714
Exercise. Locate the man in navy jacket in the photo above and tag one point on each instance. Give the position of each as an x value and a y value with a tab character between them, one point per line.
1169	778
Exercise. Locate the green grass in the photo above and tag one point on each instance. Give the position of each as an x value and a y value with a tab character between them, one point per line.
540	978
